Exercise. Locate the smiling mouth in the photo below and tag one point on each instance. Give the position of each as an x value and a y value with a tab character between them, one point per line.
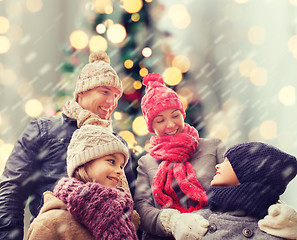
114	179
173	132
104	109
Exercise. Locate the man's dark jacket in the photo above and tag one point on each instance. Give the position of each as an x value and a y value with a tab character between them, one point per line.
36	163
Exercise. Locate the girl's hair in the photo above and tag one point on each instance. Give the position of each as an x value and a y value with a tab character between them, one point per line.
81	174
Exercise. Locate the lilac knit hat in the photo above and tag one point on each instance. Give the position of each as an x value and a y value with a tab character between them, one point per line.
262	163
158	98
97	72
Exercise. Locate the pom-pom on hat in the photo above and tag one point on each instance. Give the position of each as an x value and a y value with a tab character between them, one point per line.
262	163
97	72
158	98
91	142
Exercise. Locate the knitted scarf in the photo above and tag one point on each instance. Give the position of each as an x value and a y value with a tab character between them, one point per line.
105	211
174	152
254	198
73	110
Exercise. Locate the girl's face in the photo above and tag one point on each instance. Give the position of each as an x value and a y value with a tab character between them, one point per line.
168	122
106	170
225	175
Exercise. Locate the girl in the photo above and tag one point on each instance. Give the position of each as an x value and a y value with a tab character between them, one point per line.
87	204
173	177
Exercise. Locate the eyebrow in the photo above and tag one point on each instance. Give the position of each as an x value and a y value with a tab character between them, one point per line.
160	115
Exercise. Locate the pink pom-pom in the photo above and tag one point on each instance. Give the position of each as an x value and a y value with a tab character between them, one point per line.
152	77
99	56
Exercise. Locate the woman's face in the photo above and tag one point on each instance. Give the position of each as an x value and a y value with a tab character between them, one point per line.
168	122
106	170
225	175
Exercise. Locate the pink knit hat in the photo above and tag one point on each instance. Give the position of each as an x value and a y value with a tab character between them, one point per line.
158	98
97	72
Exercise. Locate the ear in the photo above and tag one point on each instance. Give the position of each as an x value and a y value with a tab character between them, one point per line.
79	97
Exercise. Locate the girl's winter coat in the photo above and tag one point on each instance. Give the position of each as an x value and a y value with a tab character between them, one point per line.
55	222
105	212
208	153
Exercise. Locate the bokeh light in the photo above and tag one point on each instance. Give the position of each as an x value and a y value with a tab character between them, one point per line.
256	35
137	85
293	2
100	28
128	64
129	137
147	52
179	16
172	76
117	115
116	33
103	6
34	5
184	101
258	76
79	39
246	67
33	108
8	77
139	126
268	129
143	71
287	95
98	43
182	63
135	17
132	6
4	44
4	25
219	131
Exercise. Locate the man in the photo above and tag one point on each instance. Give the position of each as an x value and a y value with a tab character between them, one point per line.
38	159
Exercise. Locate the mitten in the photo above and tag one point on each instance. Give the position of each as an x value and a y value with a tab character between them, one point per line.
281	221
183	225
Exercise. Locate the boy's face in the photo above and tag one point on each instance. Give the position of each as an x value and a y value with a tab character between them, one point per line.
106	170
101	100
168	122
225	175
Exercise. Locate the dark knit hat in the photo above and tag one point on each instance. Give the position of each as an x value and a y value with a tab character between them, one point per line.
263	172
158	98
262	163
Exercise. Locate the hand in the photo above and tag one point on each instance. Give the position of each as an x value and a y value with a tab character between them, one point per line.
184	226
281	221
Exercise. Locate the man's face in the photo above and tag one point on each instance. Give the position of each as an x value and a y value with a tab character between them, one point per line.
101	100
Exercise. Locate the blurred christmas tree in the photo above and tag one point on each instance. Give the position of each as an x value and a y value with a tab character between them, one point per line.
127	31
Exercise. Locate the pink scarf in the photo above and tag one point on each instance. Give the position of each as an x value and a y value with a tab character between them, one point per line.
174	151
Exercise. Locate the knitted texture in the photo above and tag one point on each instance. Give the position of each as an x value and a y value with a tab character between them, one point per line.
97	72
158	98
91	142
83	116
263	172
262	163
174	151
105	211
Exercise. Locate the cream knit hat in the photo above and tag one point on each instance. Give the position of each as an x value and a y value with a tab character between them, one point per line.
91	142
97	72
